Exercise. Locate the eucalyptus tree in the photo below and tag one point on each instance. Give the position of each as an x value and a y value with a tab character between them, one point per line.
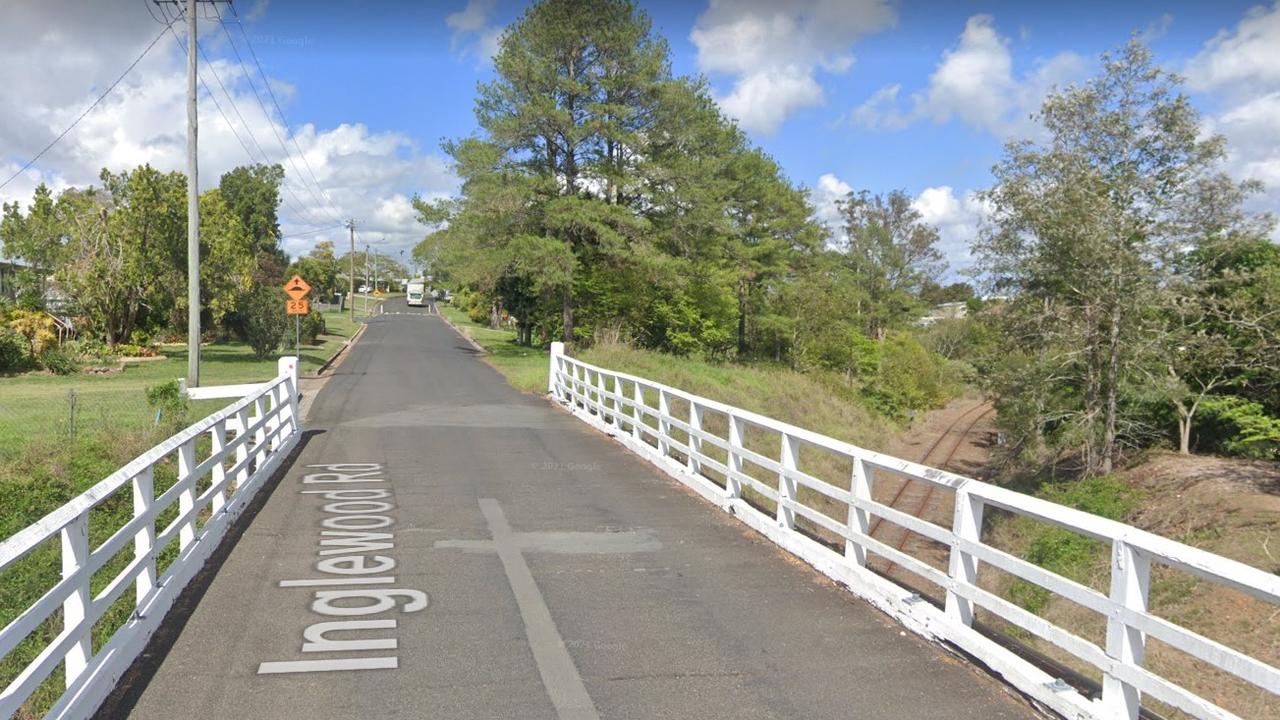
1085	229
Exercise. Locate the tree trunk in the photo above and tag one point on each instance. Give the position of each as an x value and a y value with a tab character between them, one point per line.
568	315
1112	406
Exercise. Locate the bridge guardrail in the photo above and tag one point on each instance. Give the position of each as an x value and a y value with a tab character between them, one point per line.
616	403
247	442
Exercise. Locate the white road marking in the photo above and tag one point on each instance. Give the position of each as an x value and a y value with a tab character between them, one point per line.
559	675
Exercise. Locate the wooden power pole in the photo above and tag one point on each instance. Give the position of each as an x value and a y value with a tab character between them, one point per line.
351	275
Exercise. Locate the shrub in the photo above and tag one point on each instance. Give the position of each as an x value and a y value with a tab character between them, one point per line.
57	361
312	326
36	326
1235	426
132	350
89	349
169	399
263	319
13	352
910	377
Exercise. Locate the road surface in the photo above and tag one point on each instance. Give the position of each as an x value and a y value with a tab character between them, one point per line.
444	546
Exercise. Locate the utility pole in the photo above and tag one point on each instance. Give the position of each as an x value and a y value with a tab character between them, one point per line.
351	276
193	208
366	267
375	273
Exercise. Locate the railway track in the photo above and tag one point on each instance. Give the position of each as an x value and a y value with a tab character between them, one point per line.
917	498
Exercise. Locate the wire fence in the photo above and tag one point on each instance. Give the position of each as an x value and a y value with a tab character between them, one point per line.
56	428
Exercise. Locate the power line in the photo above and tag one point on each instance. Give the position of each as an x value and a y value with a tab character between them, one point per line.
311	232
89	109
267	84
296	207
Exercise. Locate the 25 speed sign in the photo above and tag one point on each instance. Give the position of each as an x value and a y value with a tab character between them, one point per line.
298	307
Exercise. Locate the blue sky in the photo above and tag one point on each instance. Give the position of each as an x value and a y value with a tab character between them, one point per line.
861	94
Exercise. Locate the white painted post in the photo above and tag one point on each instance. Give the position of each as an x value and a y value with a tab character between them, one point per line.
187	498
664	428
859	520
259	435
288	366
966	523
790	459
695	437
144	542
637	414
242	450
75	555
737	431
1130	586
604	417
218	443
553	370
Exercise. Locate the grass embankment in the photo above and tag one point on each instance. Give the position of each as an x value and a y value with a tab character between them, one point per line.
43	466
824	405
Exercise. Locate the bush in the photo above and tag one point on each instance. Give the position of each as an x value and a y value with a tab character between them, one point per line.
910	377
87	349
169	399
57	361
312	326
1235	426
263	319
13	352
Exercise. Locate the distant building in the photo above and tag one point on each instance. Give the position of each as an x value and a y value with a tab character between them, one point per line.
945	311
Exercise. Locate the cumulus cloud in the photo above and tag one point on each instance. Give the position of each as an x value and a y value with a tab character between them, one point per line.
775	51
825	197
957	220
975	83
472	30
1240	69
81	48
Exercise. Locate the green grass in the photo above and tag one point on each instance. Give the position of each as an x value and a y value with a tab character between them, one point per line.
38	405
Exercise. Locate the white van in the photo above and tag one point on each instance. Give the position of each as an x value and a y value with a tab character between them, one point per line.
416	293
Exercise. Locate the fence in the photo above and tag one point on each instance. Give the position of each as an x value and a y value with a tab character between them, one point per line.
160	517
639	414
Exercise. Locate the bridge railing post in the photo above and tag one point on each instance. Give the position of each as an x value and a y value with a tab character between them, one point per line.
288	367
859	519
601	389
695	437
75	556
790	458
637	412
737	431
664	427
144	494
187	496
1130	587
966	524
553	370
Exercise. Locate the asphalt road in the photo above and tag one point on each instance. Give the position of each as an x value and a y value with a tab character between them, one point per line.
444	546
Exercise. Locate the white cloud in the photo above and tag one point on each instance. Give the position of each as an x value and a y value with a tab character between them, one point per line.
975	83
1240	69
826	197
957	220
774	51
472	30
1240	58
366	175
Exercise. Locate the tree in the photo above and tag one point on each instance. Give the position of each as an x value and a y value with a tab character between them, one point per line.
35	238
1083	234
891	251
253	194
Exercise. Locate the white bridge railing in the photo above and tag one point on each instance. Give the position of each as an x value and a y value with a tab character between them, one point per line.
246	443
616	403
